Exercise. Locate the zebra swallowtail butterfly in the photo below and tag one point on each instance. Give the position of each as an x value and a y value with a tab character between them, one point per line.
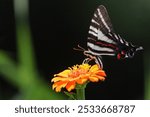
102	40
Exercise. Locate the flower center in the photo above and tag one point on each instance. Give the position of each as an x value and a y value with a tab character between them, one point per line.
77	73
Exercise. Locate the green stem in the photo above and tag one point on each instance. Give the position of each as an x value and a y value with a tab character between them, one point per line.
80	93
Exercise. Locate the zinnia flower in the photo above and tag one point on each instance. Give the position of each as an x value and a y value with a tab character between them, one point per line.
78	74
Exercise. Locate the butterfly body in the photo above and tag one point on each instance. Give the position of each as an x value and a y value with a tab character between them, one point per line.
102	40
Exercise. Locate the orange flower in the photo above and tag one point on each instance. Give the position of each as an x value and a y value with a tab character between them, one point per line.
79	74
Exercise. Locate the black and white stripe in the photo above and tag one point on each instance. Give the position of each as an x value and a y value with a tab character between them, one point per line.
102	40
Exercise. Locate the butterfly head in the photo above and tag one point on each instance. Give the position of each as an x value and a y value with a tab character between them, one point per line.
129	51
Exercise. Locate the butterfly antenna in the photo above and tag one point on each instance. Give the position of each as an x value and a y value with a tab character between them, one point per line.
79	48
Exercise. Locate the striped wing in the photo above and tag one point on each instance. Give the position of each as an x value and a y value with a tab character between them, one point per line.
102	40
101	37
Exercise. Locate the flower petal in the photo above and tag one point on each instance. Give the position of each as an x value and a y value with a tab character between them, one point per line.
63	73
81	81
101	73
58	85
70	85
85	66
75	67
58	89
101	78
93	79
56	79
94	68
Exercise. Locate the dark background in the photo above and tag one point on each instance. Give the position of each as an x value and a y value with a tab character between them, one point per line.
59	25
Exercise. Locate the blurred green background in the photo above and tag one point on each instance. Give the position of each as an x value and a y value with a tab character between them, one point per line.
37	37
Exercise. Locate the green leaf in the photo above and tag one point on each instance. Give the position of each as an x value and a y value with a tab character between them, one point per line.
71	95
8	68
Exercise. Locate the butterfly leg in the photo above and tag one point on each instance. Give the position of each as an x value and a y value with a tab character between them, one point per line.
98	60
91	57
87	60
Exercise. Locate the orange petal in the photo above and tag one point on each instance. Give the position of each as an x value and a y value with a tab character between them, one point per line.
101	73
56	84
98	77
63	73
81	81
101	78
55	79
59	85
58	89
70	86
93	79
94	68
85	76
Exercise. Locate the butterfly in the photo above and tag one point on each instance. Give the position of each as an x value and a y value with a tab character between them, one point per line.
102	40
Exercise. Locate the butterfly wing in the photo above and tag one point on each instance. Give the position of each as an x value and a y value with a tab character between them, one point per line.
101	39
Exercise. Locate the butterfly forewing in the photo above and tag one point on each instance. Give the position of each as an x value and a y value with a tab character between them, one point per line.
104	20
98	41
